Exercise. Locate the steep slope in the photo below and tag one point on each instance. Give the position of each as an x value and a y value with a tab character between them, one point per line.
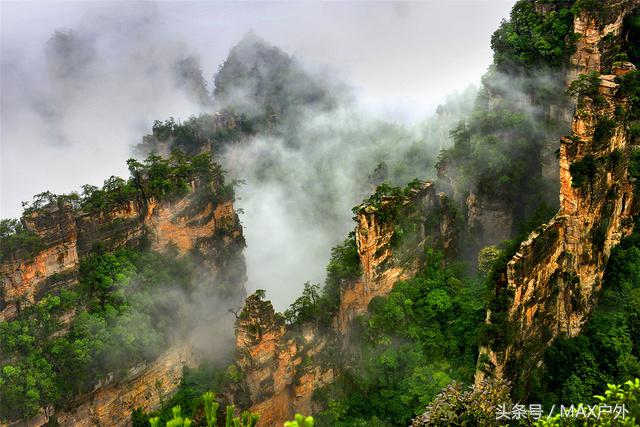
552	283
111	403
284	362
68	235
102	257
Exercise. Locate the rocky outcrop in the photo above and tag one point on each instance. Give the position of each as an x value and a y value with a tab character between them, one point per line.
193	224
55	266
598	33
68	234
385	261
145	386
283	365
278	379
553	280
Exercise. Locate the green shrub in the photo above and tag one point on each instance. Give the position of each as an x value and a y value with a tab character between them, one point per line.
115	326
476	406
192	396
593	6
305	308
414	341
626	397
631	35
587	85
583	171
343	268
155	177
16	241
604	130
197	133
300	421
531	40
629	86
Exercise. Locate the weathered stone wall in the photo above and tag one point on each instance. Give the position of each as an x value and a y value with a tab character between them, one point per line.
280	366
556	275
145	386
276	381
68	235
185	224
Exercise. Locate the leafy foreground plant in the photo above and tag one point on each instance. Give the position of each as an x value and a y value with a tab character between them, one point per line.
455	406
177	421
626	396
479	406
300	421
246	419
210	408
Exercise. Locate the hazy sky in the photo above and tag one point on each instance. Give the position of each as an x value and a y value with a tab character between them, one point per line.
61	131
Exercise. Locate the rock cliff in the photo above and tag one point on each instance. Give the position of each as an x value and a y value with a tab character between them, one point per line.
196	223
282	365
144	386
68	234
278	379
552	283
385	261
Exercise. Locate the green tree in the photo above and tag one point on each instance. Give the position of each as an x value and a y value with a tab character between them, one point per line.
210	409
16	241
300	421
305	308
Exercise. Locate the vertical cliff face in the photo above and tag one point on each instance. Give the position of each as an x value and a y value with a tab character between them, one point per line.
552	282
67	235
24	280
595	41
282	364
490	220
197	224
278	378
384	258
144	386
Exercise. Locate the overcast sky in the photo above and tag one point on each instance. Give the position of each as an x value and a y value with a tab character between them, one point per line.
61	131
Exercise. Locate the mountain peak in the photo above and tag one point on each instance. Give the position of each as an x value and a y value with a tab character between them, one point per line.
260	79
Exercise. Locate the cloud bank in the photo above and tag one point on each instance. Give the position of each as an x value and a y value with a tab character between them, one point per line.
82	82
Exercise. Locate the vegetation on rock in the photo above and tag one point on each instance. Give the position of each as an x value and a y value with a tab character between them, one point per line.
608	349
155	178
16	241
413	342
531	40
455	406
416	345
121	312
114	325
